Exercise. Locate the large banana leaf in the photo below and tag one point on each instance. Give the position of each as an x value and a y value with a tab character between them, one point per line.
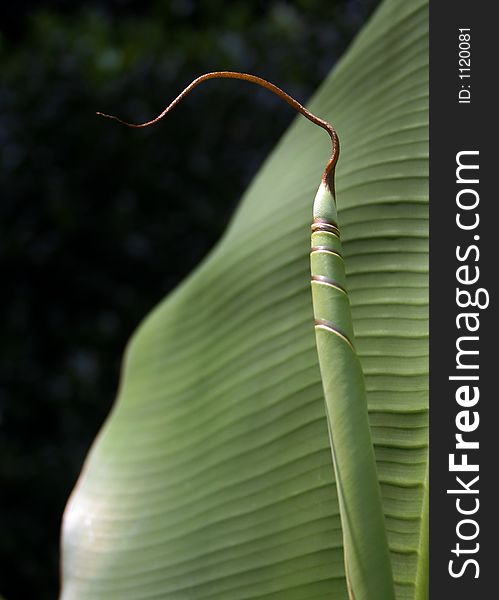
213	477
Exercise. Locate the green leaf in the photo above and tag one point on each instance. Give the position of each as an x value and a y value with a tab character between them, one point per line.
212	477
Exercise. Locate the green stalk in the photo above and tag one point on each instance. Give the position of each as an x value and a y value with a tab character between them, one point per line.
367	560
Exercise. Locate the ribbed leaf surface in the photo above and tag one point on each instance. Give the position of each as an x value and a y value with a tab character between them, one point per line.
212	478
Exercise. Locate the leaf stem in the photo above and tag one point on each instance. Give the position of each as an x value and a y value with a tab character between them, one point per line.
328	176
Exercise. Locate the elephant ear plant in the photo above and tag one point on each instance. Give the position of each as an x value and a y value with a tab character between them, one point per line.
213	476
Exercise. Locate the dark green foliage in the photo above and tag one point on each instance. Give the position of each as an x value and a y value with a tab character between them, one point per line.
98	222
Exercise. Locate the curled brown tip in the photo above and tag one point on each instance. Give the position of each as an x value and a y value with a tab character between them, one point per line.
328	176
101	114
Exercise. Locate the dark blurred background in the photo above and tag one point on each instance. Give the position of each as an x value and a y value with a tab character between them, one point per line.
98	222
